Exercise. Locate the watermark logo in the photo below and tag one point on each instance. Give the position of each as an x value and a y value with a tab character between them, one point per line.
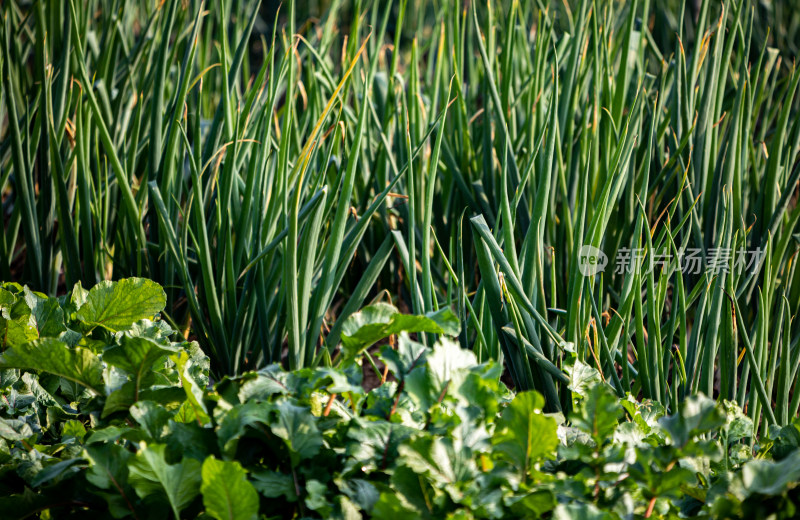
591	260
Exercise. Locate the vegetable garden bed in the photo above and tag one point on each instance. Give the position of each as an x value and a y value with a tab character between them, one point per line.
364	259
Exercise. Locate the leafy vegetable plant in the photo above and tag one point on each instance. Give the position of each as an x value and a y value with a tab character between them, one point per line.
373	258
119	422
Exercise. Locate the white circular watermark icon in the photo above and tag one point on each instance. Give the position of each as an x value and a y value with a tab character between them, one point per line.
591	260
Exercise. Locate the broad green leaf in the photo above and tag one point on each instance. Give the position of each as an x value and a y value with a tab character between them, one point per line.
449	360
46	312
645	414
235	422
158	331
481	389
338	381
227	494
524	435
381	320
73	428
273	484
297	427
152	418
78	296
190	439
407	356
413	497
194	391
7	298
108	470
579	511
57	471
737	424
150	474
14	429
373	445
118	305
120	399
396	506
17	324
536	503
786	440
582	377
360	491
697	414
126	396
109	434
136	355
438	460
349	509
599	413
42	395
771	478
316	499
8	378
270	380
76	364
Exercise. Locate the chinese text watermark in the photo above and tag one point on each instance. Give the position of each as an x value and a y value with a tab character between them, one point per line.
592	260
